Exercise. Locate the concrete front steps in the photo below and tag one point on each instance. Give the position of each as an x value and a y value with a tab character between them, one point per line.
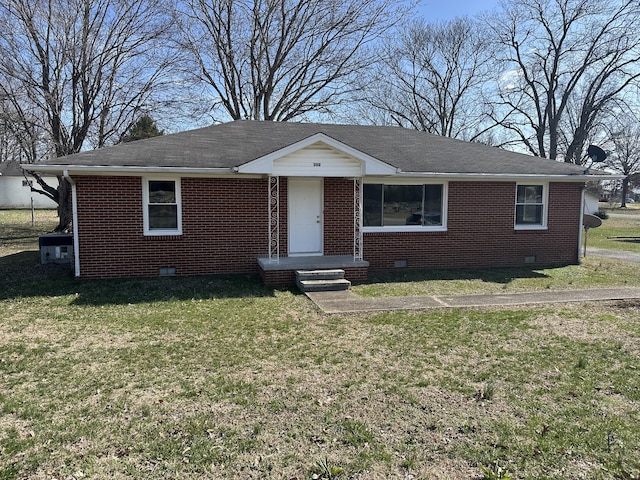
329	280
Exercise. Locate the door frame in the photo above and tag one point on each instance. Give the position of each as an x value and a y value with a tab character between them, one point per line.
292	203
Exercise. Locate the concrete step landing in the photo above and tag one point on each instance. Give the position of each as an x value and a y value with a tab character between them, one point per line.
330	280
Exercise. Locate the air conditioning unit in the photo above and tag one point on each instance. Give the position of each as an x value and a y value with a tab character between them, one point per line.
56	248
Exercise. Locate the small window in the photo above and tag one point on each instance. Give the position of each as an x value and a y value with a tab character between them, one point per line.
162	209
531	206
403	207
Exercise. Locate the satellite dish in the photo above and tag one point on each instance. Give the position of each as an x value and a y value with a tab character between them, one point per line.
591	221
596	154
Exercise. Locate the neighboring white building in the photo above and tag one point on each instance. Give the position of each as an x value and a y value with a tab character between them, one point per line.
15	191
591	202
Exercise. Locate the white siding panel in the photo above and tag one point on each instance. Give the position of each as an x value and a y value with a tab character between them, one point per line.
13	194
591	203
318	160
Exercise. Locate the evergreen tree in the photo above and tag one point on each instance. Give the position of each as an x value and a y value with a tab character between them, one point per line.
145	127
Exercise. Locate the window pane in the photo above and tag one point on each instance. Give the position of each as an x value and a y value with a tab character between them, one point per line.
372	208
529	214
163	217
402	205
162	192
432	205
529	194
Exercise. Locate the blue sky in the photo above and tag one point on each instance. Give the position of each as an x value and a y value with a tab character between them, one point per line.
448	9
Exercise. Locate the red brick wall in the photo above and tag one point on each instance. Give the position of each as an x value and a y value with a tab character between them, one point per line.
480	232
338	216
225	228
218	237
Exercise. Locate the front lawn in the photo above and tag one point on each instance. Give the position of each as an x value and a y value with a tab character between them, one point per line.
593	272
621	223
19	230
223	378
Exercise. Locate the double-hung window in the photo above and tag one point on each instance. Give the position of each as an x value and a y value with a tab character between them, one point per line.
392	207
531	206
162	213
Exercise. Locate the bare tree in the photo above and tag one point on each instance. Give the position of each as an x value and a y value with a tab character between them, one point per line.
22	131
16	139
280	59
625	155
79	70
431	78
564	63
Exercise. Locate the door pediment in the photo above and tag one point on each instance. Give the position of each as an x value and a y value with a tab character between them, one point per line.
318	156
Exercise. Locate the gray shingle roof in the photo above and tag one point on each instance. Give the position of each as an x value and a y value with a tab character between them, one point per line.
236	143
11	169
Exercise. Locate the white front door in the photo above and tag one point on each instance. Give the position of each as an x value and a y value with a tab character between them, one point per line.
305	216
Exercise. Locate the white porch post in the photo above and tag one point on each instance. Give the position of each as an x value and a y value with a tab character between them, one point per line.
274	219
357	218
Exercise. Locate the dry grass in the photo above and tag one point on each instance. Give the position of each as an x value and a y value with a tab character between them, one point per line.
19	230
222	378
622	223
385	396
593	272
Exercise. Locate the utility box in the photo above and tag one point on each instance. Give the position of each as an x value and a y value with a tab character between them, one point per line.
56	248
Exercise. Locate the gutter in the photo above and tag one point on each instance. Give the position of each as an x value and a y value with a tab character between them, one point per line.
74	206
581	229
566	177
92	169
169	170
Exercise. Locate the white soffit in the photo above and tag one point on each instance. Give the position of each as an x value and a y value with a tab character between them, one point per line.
318	155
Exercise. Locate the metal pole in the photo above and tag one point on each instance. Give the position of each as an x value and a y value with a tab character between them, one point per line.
586	231
33	214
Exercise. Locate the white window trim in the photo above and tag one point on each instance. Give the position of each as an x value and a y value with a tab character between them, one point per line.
545	207
412	228
145	207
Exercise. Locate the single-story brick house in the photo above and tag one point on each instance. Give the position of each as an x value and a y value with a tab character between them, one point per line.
267	198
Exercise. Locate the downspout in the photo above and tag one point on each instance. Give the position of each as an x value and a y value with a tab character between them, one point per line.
582	200
74	206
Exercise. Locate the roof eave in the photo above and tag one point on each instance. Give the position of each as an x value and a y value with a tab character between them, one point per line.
124	170
513	176
155	170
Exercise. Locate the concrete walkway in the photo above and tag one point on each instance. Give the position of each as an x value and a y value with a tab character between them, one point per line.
617	254
348	302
